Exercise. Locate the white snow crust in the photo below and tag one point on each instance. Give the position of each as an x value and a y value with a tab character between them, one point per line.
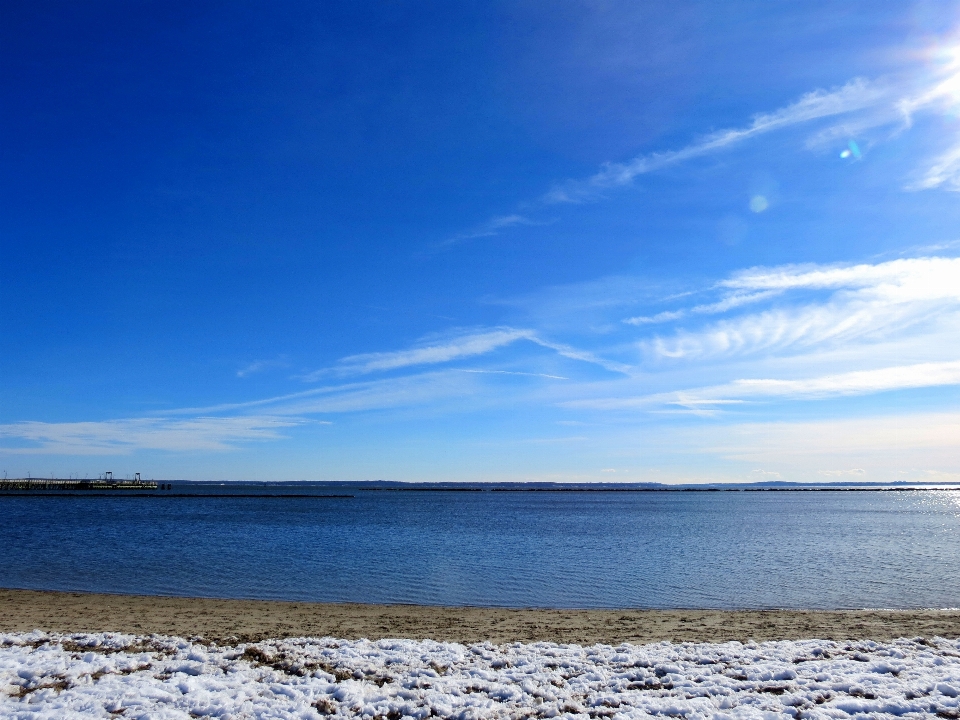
109	675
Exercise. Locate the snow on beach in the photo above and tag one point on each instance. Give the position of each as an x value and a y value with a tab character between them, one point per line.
108	675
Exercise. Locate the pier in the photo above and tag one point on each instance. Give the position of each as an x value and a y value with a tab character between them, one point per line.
38	486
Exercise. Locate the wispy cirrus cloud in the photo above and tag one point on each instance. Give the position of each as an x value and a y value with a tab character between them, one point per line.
858	382
850	306
911	278
403	391
832	332
587	357
493	226
791	330
464	346
925	287
514	372
260	365
731	301
857	107
858	94
124	436
454	348
443	390
944	172
660	317
233	425
867	303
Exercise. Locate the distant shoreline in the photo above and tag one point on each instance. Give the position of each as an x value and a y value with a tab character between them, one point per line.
231	621
59	487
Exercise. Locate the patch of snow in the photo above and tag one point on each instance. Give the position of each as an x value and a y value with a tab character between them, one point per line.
109	675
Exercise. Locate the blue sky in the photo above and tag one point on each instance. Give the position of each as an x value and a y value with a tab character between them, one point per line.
597	241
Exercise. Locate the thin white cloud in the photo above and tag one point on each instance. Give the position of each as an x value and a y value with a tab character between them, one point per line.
584	356
793	330
121	437
909	279
461	347
869	302
440	391
930	248
492	227
857	305
940	89
458	348
251	368
696	403
661	317
836	330
706	400
857	382
259	366
856	95
449	389
515	372
404	391
944	172
864	304
732	301
859	106
573	307
851	127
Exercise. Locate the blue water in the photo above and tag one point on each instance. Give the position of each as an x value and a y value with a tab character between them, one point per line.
517	549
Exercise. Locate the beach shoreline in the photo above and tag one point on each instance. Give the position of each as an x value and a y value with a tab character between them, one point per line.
236	621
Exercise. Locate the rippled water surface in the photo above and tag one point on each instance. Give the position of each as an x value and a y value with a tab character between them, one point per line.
543	549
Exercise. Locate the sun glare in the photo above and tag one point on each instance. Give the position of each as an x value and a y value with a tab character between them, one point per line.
945	60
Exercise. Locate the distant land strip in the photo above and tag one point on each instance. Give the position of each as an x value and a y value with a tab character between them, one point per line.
58	487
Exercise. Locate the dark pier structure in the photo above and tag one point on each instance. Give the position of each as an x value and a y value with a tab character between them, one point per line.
61	486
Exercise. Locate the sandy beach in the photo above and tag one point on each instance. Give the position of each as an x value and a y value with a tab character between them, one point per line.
254	620
91	655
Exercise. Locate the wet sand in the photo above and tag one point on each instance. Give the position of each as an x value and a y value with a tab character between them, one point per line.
251	620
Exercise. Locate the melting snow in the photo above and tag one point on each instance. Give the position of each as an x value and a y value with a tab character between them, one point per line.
108	675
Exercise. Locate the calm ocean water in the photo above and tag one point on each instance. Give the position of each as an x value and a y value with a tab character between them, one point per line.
520	549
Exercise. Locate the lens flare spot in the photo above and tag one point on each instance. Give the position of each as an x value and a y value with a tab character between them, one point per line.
852	150
759	203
